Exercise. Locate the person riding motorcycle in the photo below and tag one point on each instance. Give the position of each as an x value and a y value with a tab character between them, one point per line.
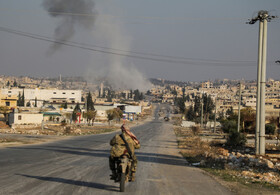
119	148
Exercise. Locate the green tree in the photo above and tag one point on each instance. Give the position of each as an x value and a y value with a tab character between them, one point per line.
15	84
229	111
197	105
136	95
248	119
190	114
229	126
22	99
109	96
35	102
90	104
181	104
188	98
110	114
90	116
19	99
28	104
236	139
75	112
5	111
270	129
184	95
141	97
174	92
208	106
115	113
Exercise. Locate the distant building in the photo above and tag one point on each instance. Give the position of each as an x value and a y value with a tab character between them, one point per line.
8	100
130	112
41	96
207	84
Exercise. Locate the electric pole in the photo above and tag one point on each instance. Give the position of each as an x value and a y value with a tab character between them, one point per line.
201	119
263	18
257	133
215	114
239	105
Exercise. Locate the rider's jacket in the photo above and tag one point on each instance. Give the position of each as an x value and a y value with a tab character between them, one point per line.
118	145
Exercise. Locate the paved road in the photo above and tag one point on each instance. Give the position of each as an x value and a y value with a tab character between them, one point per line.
80	166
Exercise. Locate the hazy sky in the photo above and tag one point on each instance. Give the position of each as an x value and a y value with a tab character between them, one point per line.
190	40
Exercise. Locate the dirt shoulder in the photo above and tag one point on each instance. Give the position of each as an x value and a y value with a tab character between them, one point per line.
8	140
239	170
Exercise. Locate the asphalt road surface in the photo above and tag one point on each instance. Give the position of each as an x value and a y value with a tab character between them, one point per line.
80	166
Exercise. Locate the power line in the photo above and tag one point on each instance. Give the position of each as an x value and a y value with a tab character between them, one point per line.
89	15
139	55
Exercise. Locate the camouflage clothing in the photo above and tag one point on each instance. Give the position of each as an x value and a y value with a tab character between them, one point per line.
118	149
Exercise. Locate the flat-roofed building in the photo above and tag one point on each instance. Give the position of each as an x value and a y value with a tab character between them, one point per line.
40	96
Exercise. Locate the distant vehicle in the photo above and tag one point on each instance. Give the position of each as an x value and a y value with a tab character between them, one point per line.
51	107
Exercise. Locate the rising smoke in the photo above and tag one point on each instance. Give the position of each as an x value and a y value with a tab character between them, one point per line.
73	14
117	71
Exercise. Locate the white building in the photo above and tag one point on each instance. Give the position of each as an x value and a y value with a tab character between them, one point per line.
54	96
25	118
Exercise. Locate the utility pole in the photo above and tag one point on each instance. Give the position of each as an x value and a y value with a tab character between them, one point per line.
239	105
263	18
257	133
201	120
262	94
215	114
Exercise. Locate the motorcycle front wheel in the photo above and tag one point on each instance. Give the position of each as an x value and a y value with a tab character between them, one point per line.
122	182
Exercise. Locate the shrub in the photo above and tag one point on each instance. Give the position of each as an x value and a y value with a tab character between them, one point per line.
236	139
229	126
67	130
195	130
63	123
270	129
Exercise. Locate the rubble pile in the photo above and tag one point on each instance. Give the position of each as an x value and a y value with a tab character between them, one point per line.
240	163
257	168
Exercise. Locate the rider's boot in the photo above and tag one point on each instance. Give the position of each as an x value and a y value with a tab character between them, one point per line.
114	175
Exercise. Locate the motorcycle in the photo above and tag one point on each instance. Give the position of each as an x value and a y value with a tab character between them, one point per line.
123	171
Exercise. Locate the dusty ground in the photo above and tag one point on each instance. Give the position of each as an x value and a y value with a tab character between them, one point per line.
209	156
35	135
7	140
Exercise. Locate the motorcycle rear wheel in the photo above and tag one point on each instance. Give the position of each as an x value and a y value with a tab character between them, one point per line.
122	182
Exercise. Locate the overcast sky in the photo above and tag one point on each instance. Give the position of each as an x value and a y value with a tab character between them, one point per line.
190	40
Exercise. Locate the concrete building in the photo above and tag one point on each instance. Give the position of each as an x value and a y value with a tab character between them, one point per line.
130	112
40	96
8	100
207	85
25	118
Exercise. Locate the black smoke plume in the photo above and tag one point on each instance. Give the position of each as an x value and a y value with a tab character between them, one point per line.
73	14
